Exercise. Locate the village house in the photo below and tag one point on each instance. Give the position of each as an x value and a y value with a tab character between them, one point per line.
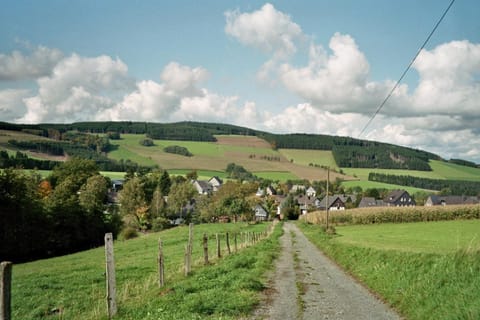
435	200
203	187
207	187
369	202
335	203
311	192
261	213
399	198
215	182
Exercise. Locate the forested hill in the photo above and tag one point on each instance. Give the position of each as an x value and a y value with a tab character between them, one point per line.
348	152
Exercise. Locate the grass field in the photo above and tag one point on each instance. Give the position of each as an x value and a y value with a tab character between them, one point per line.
424	270
427	237
73	286
379	185
307	157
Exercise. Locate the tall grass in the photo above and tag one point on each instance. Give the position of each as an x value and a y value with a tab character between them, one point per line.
73	286
395	214
418	285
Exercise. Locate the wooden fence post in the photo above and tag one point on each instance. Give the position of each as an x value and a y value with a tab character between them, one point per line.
110	272
227	240
219	253
235	241
5	290
205	248
161	264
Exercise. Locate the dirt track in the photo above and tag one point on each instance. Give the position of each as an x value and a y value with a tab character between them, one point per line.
307	285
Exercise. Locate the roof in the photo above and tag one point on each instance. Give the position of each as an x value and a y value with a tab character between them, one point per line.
370	202
394	196
452	200
331	201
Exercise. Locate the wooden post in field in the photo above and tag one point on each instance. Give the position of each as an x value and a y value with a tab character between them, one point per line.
227	240
161	264
5	290
110	273
219	253
235	241
205	248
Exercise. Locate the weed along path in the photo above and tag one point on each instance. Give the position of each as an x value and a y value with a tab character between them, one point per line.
307	285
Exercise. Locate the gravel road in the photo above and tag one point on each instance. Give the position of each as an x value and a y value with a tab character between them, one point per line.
307	285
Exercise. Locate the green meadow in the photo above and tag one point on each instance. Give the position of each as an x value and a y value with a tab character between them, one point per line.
364	184
307	157
73	286
422	237
423	270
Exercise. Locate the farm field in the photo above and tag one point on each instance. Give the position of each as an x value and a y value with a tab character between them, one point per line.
364	184
427	237
73	286
256	155
251	152
307	157
424	270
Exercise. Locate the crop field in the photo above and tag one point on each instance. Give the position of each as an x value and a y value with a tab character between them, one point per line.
251	152
276	175
424	270
73	286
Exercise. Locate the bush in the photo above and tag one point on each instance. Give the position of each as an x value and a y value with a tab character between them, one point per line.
128	233
178	150
160	223
147	142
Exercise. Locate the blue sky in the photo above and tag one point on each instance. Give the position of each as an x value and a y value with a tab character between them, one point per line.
281	66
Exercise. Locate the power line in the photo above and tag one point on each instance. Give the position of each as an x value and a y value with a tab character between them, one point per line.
406	70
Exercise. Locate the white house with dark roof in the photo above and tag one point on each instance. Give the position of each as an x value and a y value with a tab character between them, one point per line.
399	198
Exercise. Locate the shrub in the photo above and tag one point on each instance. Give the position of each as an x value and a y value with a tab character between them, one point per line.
147	142
128	233
178	150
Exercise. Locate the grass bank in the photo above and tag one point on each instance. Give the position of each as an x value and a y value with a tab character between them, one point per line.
420	285
73	286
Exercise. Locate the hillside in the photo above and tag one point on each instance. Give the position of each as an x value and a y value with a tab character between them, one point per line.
116	145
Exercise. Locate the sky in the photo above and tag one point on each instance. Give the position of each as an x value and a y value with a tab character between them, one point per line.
319	67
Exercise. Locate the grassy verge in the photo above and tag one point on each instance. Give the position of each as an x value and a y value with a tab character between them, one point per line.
73	286
418	285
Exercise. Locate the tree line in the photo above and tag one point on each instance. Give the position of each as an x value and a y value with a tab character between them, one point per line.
63	213
447	187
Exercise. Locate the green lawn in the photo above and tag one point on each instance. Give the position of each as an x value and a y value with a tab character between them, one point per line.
428	237
73	286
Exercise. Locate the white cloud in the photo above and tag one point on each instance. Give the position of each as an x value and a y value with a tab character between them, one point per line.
337	82
449	80
78	88
267	29
17	66
11	104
